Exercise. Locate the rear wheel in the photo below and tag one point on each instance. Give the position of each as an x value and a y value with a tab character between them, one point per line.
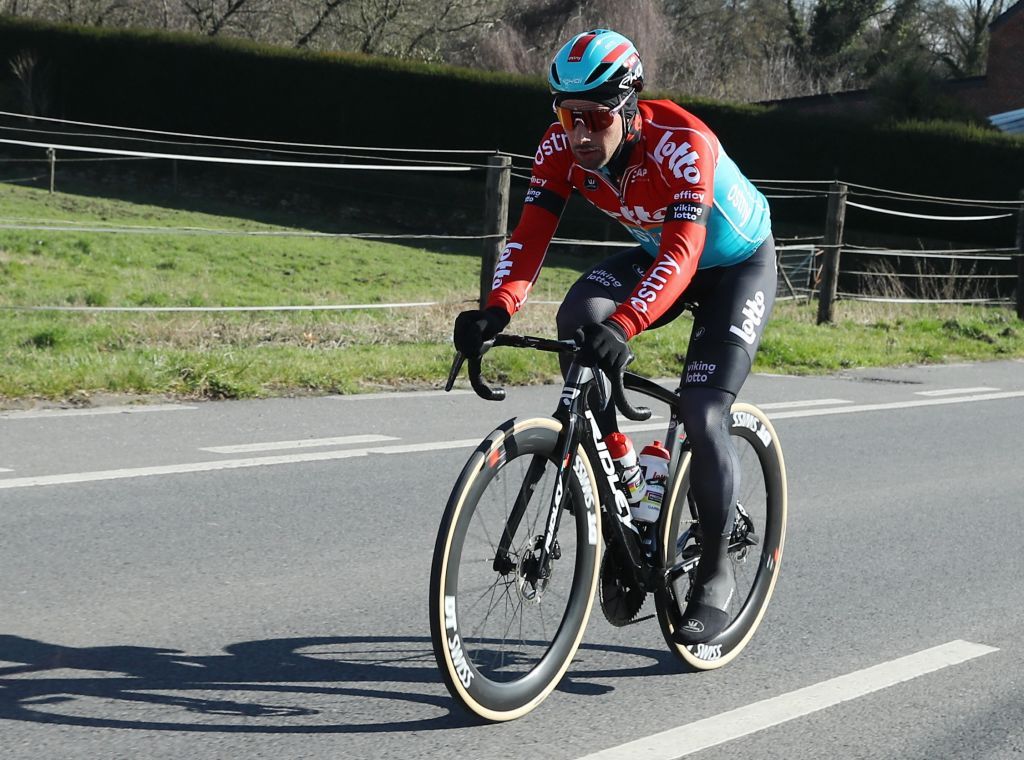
755	549
504	628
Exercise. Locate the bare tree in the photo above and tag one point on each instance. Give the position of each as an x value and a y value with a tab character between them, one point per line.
963	31
243	18
528	33
88	12
321	14
424	29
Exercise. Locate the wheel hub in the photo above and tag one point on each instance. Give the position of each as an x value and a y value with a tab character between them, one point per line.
531	579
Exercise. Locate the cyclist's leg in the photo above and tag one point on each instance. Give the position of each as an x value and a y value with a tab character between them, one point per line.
734	304
593	298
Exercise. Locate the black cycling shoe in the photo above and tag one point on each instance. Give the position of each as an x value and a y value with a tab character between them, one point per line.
705	615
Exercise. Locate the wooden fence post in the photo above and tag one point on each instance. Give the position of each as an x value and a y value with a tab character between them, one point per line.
495	220
51	154
834	222
1020	258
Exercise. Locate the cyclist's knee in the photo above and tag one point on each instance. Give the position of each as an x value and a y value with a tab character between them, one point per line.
578	310
704	413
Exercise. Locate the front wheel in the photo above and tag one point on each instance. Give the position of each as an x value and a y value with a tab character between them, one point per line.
505	628
759	532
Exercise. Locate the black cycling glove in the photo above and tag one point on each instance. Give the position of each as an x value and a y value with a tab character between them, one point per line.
475	327
604	345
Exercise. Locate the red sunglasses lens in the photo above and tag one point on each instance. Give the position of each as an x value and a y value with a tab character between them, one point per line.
594	121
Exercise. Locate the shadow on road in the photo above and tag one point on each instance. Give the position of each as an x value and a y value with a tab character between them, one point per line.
271	686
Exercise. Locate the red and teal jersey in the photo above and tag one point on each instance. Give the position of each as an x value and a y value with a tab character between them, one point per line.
680	196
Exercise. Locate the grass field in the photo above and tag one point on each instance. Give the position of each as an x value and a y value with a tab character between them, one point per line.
82	356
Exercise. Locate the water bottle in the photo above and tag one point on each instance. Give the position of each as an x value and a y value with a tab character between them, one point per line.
624	456
654	461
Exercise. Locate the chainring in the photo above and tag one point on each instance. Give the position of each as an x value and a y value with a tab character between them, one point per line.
620	602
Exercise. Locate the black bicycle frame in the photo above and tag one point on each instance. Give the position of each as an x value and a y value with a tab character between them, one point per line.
579	427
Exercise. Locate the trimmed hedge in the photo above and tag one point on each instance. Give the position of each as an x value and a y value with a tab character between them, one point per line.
220	86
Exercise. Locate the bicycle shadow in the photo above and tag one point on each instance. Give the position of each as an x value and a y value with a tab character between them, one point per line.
269	686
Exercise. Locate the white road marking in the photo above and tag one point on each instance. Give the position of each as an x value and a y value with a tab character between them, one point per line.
810	402
397	396
718	729
954	391
897	405
227	464
782	415
4	469
83	477
308	443
93	411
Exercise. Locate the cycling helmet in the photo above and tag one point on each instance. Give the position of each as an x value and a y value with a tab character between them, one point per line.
599	65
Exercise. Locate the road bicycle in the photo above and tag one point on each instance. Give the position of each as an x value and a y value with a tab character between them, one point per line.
538	525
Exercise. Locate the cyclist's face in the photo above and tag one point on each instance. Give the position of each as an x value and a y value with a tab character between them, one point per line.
592	149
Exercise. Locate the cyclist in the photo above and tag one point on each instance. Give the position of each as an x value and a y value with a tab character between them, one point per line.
705	243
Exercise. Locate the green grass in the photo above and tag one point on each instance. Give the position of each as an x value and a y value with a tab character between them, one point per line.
77	356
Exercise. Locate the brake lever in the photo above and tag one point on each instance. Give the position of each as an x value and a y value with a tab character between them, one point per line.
603	383
457	361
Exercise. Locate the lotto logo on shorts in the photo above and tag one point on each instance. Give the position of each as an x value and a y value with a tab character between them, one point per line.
753	310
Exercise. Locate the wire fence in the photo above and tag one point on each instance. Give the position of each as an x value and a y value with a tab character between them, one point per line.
810	266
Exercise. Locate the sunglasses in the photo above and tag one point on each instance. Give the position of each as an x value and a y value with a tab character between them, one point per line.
595	120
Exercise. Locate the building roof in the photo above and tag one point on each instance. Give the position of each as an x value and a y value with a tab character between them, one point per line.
1005	15
1009	121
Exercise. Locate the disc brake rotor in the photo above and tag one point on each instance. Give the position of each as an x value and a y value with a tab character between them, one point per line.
529	584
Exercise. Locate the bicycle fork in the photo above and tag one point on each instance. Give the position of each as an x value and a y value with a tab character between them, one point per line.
579	426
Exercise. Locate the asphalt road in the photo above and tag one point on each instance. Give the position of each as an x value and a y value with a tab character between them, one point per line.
249	580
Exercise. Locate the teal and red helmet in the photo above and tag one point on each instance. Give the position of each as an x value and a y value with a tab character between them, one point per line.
599	65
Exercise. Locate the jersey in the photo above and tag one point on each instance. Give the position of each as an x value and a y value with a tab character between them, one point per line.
680	196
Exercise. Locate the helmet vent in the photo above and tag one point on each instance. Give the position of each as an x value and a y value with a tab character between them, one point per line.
598	72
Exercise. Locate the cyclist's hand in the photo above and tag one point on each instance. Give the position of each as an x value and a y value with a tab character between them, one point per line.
604	345
475	327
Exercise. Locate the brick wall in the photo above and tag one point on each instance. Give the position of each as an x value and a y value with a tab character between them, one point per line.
1005	72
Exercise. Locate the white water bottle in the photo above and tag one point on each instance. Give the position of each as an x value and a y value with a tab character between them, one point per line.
624	455
654	461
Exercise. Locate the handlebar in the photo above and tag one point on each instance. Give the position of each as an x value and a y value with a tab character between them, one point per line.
484	391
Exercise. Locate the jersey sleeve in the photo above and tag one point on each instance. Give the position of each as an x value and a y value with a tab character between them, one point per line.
688	163
521	260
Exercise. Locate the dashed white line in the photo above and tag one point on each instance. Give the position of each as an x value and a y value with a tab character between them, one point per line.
227	464
82	477
4	469
718	729
954	391
854	409
35	414
896	405
307	443
797	404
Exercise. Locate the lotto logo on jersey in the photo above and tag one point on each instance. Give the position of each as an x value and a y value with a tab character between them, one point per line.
681	159
504	266
640	215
